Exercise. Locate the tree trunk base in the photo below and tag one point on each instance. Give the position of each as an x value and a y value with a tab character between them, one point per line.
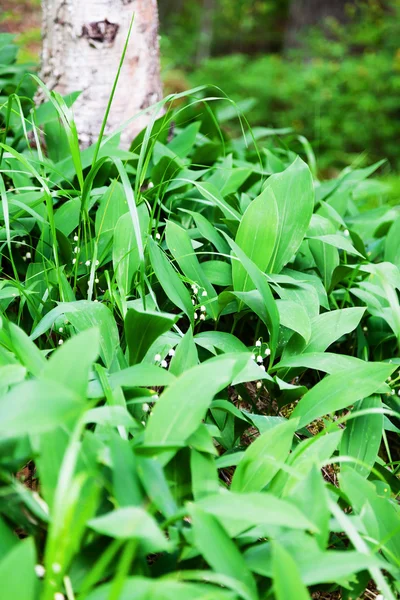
82	45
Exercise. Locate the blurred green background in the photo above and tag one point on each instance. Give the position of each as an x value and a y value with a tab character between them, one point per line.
329	69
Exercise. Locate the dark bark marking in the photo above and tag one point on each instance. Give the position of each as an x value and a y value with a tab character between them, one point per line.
102	32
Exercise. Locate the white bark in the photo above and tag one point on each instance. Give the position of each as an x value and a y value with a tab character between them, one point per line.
83	41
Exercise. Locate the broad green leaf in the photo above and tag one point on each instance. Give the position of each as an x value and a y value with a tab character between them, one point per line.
185	176
342	389
10	374
83	315
66	117
70	364
384	272
226	177
201	439
307	453
8	539
127	489
66	217
156	485
25	350
327	211
126	260
235	180
392	246
180	246
17	572
183	405
228	407
333	566
209	231
260	281
10	292
169	280
326	256
184	141
229	460
44	406
219	340
161	151
261	509
304	294
325	329
254	301
387	276
256	236
252	371
379	515
133	209
286	576
263	458
264	423
50	448
218	272
142	328
142	375
294	317
37	282
140	588
47	112
294	195
204	474
111	416
314	567
222	554
328	362
305	281
163	345
362	437
185	355
303	496
338	241
211	193
131	522
340	194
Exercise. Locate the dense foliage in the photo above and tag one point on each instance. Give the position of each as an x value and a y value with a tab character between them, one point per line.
199	353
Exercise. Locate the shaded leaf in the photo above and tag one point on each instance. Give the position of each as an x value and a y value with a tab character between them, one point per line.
142	328
340	390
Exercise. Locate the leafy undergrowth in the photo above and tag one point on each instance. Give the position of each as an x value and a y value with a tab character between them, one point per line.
198	364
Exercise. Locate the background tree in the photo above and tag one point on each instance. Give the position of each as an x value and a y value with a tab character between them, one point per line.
206	31
82	46
306	13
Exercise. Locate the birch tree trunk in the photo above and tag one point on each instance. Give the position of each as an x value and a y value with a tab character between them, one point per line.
83	41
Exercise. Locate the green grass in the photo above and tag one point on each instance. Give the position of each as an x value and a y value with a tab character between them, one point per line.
199	353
